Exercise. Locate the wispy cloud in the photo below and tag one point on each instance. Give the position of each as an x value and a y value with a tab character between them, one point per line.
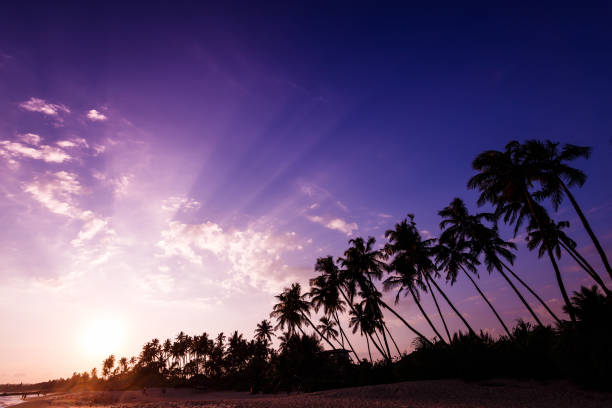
337	224
46	108
179	203
59	192
254	256
30	138
15	150
56	192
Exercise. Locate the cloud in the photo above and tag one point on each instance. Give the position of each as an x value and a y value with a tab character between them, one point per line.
96	116
93	225
341	205
49	154
426	234
254	257
72	143
121	184
337	224
40	105
30	138
179	203
56	192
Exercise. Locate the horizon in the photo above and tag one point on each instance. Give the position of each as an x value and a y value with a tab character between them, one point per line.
168	170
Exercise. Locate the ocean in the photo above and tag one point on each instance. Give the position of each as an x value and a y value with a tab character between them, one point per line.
10	400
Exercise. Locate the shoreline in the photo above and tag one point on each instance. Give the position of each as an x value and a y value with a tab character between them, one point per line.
414	394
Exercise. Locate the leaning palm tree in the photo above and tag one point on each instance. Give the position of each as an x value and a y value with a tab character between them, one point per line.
505	180
409	265
556	176
360	320
544	236
264	331
328	329
292	311
485	241
360	263
457	255
325	292
371	306
569	245
363	263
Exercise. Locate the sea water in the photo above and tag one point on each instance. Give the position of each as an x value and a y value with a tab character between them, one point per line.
10	400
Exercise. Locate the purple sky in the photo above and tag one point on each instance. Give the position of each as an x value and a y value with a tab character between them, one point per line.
172	168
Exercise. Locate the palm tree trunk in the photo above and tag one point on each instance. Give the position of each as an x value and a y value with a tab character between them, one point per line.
342	333
415	331
385	305
399	353
586	266
587	227
369	352
425	314
554	316
520	296
453	307
568	304
318	332
380	350
385	355
570	309
382	330
438	307
488	303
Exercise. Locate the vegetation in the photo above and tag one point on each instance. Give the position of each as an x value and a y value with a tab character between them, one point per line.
518	183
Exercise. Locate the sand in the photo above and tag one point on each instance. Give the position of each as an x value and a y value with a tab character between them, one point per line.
417	394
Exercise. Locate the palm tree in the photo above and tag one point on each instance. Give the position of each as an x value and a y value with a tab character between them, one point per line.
107	365
504	179
361	262
264	331
485	241
370	302
325	292
556	176
328	329
410	264
284	338
455	255
569	245
433	296
292	310
543	235
359	320
123	364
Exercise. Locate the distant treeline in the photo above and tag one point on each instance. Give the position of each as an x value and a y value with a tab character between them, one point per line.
517	183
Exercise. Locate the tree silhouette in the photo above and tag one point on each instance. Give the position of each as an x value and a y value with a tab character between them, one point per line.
410	264
504	179
264	331
556	176
457	255
484	241
292	310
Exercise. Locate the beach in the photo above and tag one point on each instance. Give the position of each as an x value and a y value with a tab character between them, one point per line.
417	394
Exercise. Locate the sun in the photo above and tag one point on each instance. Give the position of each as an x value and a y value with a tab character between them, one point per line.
102	336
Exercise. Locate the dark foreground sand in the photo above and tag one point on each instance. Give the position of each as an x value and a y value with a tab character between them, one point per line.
418	394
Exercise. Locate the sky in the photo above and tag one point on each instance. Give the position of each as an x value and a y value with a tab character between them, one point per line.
173	166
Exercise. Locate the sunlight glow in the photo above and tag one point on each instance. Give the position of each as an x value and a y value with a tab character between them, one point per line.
102	336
